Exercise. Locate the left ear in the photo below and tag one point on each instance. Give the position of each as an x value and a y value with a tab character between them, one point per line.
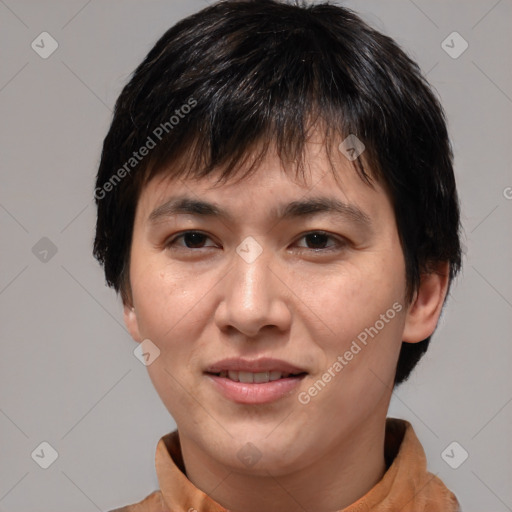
425	309
131	322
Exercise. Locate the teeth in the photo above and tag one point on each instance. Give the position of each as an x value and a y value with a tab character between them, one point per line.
261	377
245	377
250	377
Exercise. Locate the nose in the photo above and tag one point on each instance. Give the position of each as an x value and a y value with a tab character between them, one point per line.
254	296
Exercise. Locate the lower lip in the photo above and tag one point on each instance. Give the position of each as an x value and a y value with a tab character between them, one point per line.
260	393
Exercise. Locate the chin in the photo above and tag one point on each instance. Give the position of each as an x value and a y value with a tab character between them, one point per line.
257	452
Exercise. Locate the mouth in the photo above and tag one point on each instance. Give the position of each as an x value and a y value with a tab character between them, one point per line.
264	368
246	377
253	382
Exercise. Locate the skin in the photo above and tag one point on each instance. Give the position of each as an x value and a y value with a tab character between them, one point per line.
297	302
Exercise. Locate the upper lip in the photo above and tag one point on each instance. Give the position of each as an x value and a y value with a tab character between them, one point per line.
264	364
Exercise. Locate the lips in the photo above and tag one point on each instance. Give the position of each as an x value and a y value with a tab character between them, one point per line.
257	381
243	369
277	381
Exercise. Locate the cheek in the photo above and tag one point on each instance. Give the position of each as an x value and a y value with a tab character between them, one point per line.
352	298
162	299
170	312
165	303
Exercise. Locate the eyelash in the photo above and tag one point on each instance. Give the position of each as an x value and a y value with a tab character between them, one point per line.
340	243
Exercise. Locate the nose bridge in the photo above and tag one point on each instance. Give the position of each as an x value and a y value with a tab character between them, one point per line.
251	296
251	284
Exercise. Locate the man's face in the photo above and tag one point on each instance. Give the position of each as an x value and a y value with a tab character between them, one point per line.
308	289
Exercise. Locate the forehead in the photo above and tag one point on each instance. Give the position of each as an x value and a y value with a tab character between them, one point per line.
271	187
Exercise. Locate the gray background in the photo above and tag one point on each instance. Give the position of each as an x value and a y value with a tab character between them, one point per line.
67	369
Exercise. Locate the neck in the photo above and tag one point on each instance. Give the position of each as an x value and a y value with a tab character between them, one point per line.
332	481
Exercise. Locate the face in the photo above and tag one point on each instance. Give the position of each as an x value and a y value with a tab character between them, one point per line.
322	291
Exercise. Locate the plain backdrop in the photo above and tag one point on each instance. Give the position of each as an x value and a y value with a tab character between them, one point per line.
68	375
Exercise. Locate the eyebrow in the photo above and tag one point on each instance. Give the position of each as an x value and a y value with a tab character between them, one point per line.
302	208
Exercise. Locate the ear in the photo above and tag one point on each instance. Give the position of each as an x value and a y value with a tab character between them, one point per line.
131	322
425	309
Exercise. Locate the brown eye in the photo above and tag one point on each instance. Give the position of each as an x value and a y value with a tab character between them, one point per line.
191	239
317	240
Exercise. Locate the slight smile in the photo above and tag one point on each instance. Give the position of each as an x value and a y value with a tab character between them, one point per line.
257	381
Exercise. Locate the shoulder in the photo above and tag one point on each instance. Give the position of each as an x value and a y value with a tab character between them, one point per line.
152	503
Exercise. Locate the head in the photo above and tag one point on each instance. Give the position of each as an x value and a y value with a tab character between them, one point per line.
251	106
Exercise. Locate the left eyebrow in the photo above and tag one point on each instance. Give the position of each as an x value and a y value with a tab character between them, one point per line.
301	208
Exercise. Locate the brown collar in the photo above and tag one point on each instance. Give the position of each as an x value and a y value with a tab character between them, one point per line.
406	486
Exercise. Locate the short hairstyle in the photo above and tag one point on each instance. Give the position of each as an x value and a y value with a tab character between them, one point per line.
226	83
